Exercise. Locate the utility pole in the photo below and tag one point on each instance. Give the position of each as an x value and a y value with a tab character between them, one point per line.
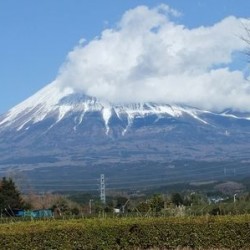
90	206
123	207
235	198
102	189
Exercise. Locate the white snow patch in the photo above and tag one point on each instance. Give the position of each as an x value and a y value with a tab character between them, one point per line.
80	119
130	118
193	113
106	114
63	110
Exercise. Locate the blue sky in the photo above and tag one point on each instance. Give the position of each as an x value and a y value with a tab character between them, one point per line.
36	36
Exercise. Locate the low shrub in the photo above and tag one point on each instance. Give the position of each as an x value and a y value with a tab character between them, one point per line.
210	232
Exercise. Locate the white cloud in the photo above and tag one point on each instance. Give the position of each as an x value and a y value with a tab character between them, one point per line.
148	57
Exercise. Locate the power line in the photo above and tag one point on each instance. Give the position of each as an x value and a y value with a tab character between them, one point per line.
111	181
160	176
129	185
174	175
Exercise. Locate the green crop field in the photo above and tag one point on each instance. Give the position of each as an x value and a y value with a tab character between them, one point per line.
207	232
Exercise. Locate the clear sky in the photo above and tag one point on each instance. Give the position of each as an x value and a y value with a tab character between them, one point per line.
36	36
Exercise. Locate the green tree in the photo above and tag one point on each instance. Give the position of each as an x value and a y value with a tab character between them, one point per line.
10	197
195	199
64	206
177	199
143	207
157	203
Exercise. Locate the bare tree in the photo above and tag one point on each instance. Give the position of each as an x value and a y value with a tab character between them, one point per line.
246	38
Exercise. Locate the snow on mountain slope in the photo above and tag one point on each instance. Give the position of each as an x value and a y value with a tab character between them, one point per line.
52	101
36	107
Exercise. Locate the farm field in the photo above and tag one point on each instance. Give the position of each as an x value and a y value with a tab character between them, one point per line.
205	232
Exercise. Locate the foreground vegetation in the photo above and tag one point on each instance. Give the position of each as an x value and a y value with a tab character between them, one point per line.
207	232
187	219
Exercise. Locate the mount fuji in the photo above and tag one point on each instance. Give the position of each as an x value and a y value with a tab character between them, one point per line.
71	133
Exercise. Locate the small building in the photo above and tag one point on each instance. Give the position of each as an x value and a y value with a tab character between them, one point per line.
39	213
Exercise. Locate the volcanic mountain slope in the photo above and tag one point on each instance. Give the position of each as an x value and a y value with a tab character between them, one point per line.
59	127
59	120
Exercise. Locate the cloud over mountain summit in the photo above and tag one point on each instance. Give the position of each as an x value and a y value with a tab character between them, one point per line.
149	56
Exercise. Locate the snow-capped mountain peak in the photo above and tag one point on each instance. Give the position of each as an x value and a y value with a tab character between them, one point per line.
57	103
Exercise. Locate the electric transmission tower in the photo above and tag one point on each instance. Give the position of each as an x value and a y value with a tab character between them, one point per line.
102	189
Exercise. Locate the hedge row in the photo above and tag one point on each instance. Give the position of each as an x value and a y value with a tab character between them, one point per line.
140	233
